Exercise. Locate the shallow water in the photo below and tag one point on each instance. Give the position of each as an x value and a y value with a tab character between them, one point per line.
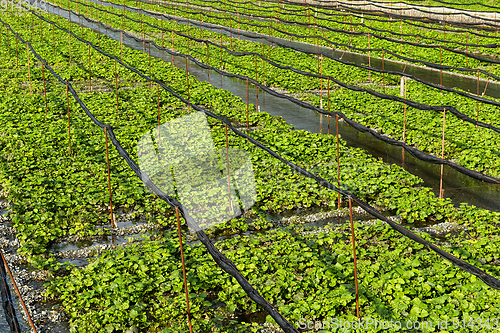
458	187
466	81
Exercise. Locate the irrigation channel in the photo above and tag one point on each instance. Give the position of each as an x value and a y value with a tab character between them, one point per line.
458	187
447	79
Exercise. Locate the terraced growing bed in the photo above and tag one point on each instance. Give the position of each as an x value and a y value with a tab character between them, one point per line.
73	90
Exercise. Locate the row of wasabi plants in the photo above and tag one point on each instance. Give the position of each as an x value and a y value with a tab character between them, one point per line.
476	149
306	273
368	32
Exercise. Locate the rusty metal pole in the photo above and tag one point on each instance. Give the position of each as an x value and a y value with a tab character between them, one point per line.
158	98
221	64
256	87
369	60
44	89
441	192
440	71
183	269
113	224
404	122
149	59
69	123
321	84
477	102
69	43
8	42
121	46
18	292
187	79
17	56
263	61
90	71
338	157
29	67
383	68
328	102
9	300
228	173
208	63
354	257
116	88
248	105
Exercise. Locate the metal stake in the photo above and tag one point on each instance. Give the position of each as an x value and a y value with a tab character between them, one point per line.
113	225
441	192
354	257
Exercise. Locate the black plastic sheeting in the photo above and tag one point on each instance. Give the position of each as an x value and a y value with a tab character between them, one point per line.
410	103
349	7
350	24
376	17
359	8
289	11
224	262
382	3
7	301
413	151
362	4
427	5
354	33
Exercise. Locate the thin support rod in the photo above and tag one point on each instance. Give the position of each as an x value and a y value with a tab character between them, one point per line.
353	240
328	102
187	78
248	106
116	88
69	122
113	225
149	58
90	71
44	89
183	268
477	102
338	157
441	192
158	98
17	292
29	67
228	174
